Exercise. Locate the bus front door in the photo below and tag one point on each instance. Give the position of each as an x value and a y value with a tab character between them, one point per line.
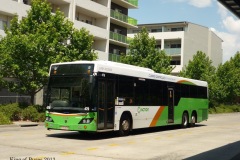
170	105
106	95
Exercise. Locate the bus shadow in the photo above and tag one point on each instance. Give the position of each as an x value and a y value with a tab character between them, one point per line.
110	135
227	152
83	136
160	129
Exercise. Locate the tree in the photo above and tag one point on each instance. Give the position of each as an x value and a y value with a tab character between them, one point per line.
35	42
229	76
143	53
217	90
199	68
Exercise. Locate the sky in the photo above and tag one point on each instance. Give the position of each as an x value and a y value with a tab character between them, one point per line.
209	13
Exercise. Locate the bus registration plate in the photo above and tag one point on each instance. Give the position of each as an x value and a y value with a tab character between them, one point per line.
64	128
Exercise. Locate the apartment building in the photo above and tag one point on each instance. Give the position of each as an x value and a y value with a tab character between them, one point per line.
106	20
181	40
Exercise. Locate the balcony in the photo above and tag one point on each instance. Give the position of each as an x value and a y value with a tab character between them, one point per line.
133	2
127	3
114	57
92	9
132	21
118	37
124	18
96	31
172	51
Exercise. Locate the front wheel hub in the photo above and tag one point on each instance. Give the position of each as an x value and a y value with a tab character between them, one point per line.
125	125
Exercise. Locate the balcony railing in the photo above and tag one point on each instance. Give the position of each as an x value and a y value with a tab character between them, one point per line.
114	57
124	18
118	37
172	51
133	2
132	21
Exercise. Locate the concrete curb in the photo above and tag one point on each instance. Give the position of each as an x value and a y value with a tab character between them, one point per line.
23	124
9	126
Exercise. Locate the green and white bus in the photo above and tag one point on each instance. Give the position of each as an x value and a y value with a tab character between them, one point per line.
97	96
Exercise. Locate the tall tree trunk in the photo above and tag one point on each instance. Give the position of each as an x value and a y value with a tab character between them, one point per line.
32	98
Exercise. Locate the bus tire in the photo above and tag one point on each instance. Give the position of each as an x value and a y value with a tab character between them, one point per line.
184	120
193	120
125	125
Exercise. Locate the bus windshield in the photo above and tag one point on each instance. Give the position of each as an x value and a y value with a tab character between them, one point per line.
69	94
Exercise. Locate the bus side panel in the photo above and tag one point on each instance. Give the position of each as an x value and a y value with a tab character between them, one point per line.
143	116
153	116
190	105
163	118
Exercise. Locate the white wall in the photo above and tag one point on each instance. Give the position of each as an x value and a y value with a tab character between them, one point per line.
215	49
199	38
196	39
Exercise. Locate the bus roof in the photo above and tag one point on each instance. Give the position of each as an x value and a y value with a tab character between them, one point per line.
135	71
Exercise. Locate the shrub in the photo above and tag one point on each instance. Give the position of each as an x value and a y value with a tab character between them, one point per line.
41	117
23	105
224	109
30	113
12	111
4	119
39	108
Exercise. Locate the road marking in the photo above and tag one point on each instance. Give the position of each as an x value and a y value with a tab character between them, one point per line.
92	149
113	145
170	136
67	153
131	142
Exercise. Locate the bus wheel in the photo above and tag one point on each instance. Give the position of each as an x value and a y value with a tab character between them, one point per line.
184	120
193	120
125	125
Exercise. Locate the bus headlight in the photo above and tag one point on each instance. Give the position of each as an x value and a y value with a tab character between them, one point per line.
86	121
49	119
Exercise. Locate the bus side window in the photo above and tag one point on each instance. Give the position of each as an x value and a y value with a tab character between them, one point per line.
125	88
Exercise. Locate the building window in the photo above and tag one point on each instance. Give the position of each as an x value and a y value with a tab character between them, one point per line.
118	10
175	46
117	31
116	51
88	22
2	24
136	31
175	62
177	29
156	30
27	2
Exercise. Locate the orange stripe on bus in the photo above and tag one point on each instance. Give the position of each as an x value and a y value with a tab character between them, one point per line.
156	117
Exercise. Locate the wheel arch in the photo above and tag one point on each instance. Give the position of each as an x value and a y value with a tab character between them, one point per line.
129	114
185	111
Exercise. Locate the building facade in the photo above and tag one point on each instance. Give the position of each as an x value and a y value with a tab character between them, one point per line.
181	40
106	20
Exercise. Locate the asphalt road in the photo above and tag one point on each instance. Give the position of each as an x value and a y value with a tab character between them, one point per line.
215	139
